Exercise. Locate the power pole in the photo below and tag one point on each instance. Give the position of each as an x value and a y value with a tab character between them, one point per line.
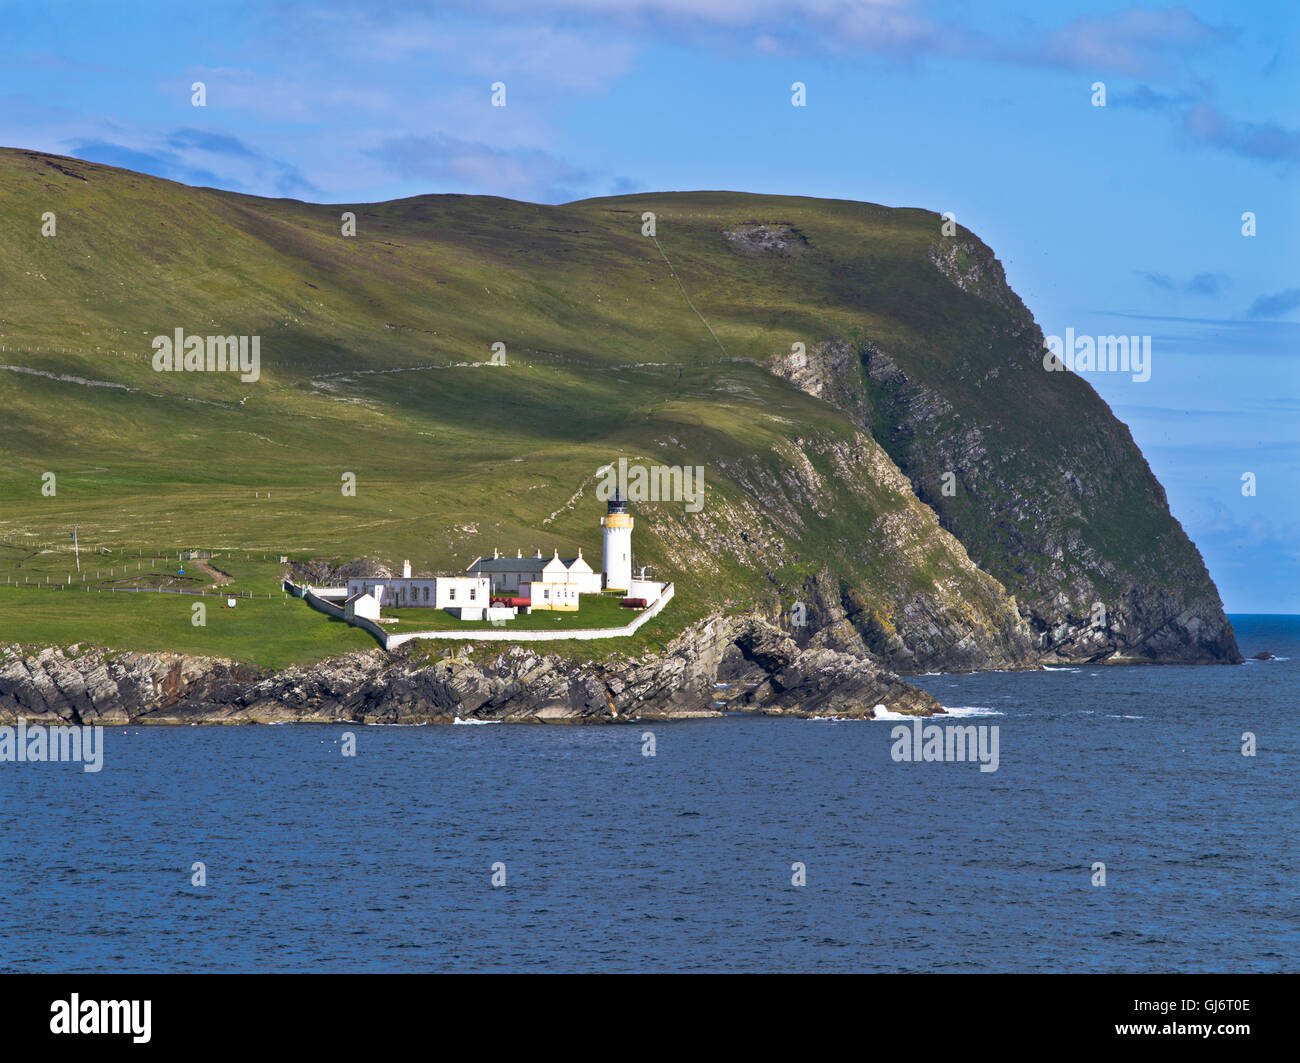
76	548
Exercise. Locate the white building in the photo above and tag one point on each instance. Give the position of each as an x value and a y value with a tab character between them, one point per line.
648	589
562	597
509	575
431	592
363	604
617	553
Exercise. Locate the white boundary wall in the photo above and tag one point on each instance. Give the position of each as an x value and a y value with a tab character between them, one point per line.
330	609
505	635
389	639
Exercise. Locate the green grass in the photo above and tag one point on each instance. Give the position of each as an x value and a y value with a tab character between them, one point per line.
271	633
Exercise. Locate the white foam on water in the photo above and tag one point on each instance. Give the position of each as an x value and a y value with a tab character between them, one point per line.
971	710
1049	668
482	723
1111	717
882	713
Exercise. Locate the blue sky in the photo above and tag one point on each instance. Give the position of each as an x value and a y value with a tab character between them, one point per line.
1117	219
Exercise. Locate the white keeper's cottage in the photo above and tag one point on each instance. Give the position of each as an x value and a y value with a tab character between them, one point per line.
460	593
547	583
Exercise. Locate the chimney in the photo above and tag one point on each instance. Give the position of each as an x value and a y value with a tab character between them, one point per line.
495	553
406	570
519	552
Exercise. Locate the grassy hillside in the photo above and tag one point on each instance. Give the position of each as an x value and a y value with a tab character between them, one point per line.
375	353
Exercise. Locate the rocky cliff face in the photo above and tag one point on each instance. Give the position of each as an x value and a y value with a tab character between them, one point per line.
720	664
899	589
926	632
1054	500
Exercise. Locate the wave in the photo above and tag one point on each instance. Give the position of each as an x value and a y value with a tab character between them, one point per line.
882	713
482	723
972	710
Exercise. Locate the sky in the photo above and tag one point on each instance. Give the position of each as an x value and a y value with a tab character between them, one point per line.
1125	218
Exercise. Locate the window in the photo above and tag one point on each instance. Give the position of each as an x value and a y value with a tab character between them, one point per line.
452	594
473	591
546	594
426	592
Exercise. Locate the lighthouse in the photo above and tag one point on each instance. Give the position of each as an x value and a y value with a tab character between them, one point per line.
617	558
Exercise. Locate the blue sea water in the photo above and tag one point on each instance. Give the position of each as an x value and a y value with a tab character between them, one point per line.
615	861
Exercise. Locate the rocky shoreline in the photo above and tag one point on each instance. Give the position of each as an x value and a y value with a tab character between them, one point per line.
718	665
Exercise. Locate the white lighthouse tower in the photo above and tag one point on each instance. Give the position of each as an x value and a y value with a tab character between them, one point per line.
617	557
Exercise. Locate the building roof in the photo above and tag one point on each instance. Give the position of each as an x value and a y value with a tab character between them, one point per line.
509	564
517	564
391	581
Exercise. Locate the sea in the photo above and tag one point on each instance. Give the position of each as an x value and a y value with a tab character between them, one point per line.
1127	828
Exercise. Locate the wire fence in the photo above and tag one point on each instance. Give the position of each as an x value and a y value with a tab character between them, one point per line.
143	590
123	550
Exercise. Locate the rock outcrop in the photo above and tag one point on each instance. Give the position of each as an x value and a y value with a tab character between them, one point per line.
721	664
